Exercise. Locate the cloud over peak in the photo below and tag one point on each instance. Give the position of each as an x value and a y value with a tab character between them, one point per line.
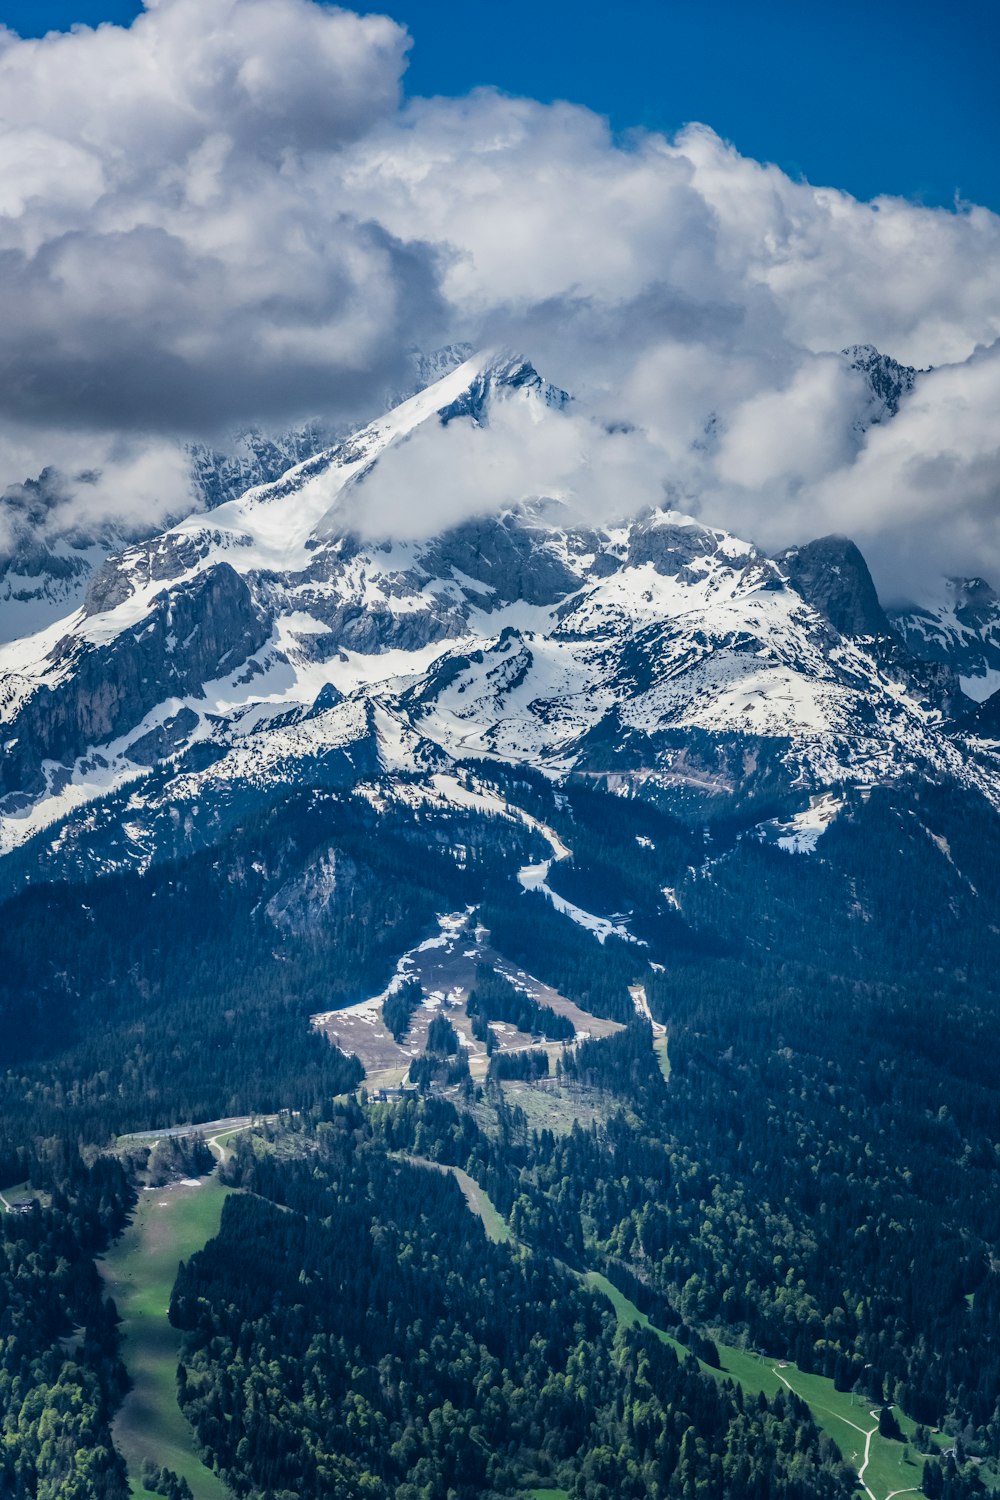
226	213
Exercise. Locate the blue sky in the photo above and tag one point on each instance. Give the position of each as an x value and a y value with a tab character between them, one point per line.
222	217
896	97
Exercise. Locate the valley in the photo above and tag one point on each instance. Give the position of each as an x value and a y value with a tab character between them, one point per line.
582	940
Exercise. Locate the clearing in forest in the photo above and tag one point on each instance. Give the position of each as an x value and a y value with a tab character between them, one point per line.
445	966
892	1467
169	1225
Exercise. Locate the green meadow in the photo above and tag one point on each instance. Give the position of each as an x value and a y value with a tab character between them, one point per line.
893	1467
168	1226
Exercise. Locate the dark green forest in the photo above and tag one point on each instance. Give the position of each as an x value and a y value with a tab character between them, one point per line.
389	1348
819	1179
60	1372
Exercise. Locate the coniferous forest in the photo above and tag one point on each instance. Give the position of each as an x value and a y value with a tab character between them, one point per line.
817	1177
499	892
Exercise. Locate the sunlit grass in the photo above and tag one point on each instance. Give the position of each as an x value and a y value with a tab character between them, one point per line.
168	1226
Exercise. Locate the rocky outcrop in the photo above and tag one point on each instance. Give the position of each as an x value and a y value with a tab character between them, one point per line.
302	905
508	557
156	744
203	629
831	575
509	372
678	550
888	381
984	721
961	630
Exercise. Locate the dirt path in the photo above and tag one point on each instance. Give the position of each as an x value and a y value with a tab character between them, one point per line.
866	1432
868	1454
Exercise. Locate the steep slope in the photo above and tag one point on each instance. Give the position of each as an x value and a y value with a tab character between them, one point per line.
270	644
47	561
832	575
960	628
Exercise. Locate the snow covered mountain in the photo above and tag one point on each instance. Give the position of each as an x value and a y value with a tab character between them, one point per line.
962	629
46	563
887	380
269	644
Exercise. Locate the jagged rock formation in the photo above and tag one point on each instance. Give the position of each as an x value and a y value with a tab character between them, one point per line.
960	629
832	576
888	381
272	644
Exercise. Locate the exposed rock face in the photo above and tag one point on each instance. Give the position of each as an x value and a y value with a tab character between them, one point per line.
984	721
513	374
302	904
831	575
507	556
158	743
197	631
961	630
256	458
888	381
159	559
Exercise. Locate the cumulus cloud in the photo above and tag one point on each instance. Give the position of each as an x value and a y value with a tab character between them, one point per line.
170	255
226	213
923	494
440	476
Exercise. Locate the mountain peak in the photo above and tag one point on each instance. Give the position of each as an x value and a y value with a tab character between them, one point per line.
498	370
888	381
831	574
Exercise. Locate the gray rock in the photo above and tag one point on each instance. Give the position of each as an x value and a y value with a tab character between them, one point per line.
831	575
506	556
162	741
203	629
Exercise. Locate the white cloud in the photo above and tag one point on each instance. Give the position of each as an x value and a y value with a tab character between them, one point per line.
924	493
224	214
528	452
170	255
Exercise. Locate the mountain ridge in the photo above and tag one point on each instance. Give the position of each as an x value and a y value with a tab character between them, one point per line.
264	643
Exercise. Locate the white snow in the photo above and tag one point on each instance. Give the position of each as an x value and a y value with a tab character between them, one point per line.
801	833
534	878
982	687
702	645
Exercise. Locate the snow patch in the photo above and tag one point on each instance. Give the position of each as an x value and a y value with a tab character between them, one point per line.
801	834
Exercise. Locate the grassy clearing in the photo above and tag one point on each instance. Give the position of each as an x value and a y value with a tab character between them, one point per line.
847	1419
478	1200
23	1193
481	1204
169	1225
626	1311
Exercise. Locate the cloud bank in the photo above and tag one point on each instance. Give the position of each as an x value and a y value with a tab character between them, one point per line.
228	214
